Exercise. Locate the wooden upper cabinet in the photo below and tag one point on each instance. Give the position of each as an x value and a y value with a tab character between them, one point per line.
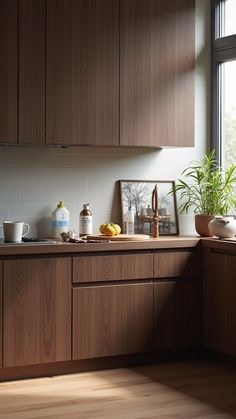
82	72
36	311
8	70
157	63
32	71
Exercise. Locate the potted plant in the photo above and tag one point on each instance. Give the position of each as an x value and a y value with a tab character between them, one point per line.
209	189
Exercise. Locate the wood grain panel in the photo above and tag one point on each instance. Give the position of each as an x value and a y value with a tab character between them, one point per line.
112	320
111	268
174	264
177	315
32	72
37	311
220	297
1	309
157	72
82	72
8	70
219	303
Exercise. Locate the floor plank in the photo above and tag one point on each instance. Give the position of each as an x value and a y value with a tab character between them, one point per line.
198	389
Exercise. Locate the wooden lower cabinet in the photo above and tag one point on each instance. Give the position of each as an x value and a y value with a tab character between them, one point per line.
112	268
1	305
177	264
112	320
177	314
37	311
220	302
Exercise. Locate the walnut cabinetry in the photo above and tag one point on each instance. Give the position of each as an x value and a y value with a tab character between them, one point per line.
219	301
157	59
112	320
31	72
177	264
82	75
97	72
112	267
177	314
8	70
97	305
177	300
36	311
1	307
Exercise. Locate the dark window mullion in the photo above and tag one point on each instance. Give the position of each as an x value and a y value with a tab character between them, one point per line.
223	50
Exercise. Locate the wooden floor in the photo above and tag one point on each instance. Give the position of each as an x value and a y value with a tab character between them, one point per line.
198	389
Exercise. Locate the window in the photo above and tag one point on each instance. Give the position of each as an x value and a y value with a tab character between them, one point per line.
224	80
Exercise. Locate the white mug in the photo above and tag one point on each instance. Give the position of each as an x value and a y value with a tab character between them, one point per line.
13	231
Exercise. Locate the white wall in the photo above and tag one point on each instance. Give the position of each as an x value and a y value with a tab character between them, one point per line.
33	180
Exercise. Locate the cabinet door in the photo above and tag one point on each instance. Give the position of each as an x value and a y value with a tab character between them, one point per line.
32	71
177	315
8	70
82	103
221	297
1	306
112	320
157	72
37	311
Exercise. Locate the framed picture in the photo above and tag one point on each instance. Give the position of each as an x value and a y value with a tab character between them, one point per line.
137	194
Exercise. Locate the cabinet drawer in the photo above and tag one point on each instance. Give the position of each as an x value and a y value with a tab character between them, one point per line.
112	268
174	264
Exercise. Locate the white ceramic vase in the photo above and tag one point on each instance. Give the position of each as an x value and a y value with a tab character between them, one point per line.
223	227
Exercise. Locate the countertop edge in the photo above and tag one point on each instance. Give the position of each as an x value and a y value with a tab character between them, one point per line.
71	248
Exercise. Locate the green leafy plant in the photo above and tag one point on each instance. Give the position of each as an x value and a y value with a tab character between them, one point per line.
208	188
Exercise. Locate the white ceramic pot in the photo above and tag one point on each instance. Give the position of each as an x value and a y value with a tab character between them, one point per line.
223	227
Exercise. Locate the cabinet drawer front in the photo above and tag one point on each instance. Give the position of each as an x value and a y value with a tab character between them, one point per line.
112	320
112	268
174	264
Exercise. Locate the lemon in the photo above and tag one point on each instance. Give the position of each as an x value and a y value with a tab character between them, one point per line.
117	228
102	228
109	230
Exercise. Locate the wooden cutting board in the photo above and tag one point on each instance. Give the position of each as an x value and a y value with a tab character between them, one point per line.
120	237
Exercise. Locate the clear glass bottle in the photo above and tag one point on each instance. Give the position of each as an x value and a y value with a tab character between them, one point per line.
85	221
129	221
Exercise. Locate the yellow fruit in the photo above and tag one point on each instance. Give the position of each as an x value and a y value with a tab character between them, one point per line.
102	228
117	228
109	230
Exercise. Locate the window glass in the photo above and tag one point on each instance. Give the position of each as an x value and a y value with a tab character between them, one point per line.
229	17
228	112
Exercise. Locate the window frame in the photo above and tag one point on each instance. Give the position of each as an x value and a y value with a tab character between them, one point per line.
223	49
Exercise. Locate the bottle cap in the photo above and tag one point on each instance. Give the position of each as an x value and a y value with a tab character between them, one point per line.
61	204
85	206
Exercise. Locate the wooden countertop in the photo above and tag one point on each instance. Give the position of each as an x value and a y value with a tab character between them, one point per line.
221	244
165	242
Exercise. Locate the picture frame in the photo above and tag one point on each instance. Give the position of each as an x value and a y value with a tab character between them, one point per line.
137	194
